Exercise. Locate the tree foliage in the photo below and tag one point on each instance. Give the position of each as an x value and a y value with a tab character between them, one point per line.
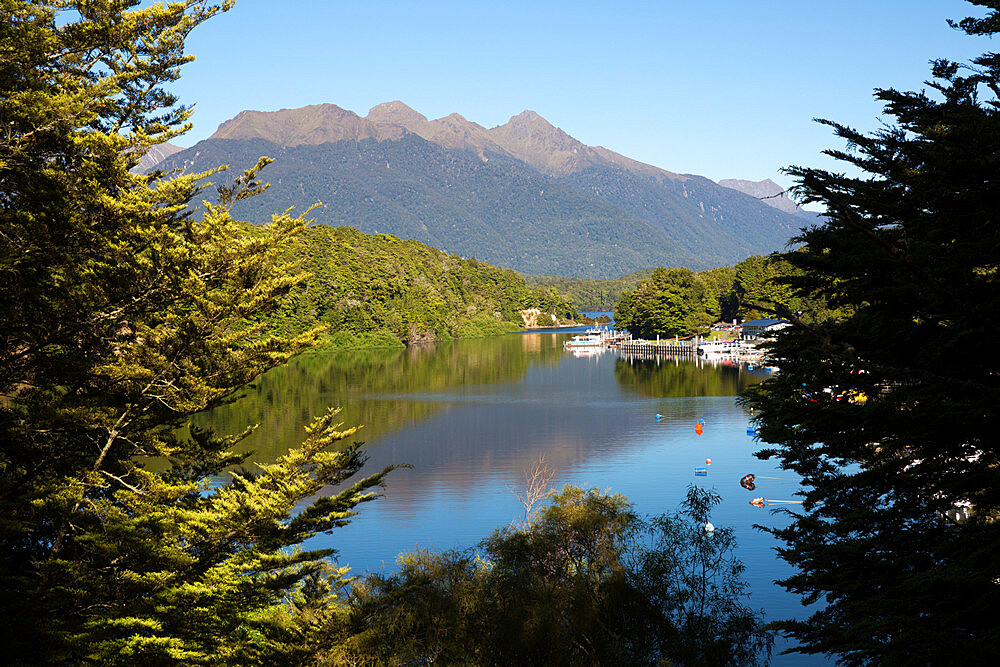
124	311
910	251
586	581
588	294
677	302
664	305
380	289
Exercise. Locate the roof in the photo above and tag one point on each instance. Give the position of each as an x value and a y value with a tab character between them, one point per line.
764	323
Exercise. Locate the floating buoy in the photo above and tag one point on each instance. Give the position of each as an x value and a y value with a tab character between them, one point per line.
659	417
708	462
709	527
699	428
747	482
701	471
757	502
751	431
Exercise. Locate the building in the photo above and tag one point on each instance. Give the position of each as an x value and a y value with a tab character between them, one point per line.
763	328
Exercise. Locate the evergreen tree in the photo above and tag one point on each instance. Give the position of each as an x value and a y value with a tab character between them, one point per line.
890	413
756	289
585	581
122	312
669	303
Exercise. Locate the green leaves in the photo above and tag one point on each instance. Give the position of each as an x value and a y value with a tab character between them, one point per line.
125	311
371	284
907	253
587	581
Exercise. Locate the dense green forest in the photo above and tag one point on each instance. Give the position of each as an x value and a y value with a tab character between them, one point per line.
500	210
679	302
588	294
378	290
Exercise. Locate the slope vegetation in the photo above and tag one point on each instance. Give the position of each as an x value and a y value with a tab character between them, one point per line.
380	290
524	195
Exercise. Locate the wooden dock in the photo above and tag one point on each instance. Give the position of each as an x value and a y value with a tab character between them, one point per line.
647	349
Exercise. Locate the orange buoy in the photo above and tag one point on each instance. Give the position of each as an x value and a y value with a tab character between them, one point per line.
708	462
757	502
698	429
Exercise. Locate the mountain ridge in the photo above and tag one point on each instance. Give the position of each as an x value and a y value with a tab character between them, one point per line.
766	191
524	194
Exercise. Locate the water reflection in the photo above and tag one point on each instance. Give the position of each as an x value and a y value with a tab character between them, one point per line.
471	416
468	411
364	382
684	376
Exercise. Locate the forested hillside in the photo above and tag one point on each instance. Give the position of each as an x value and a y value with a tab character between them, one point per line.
587	294
498	210
679	302
378	290
523	195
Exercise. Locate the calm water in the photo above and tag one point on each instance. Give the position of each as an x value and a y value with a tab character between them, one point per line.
472	416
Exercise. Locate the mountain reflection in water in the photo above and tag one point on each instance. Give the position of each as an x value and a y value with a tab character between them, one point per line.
475	412
471	416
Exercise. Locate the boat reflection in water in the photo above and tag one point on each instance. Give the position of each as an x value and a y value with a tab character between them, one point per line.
588	352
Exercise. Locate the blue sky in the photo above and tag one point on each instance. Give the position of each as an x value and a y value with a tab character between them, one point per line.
725	89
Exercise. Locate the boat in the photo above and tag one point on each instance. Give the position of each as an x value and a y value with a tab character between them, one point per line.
597	337
588	339
719	348
581	352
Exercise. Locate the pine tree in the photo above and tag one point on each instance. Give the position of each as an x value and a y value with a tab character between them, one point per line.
890	413
123	311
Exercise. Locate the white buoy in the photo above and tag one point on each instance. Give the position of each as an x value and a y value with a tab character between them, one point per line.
709	528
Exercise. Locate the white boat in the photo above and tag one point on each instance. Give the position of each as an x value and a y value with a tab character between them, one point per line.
597	337
719	348
588	339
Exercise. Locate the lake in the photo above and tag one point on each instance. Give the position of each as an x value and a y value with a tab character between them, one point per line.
472	416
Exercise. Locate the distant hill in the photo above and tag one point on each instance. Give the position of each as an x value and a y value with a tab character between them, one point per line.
524	195
378	290
590	295
154	156
768	192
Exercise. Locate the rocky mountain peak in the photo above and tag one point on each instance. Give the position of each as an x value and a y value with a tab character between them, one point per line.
456	118
395	113
310	125
455	131
154	156
529	117
529	137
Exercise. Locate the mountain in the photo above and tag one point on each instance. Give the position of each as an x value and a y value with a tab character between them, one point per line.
768	192
524	194
154	156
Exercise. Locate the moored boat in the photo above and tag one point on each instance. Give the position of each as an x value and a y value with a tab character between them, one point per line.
588	339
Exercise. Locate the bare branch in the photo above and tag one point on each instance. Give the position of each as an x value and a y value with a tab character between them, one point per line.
536	487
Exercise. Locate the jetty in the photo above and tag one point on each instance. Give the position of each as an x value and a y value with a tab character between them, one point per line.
648	349
738	350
